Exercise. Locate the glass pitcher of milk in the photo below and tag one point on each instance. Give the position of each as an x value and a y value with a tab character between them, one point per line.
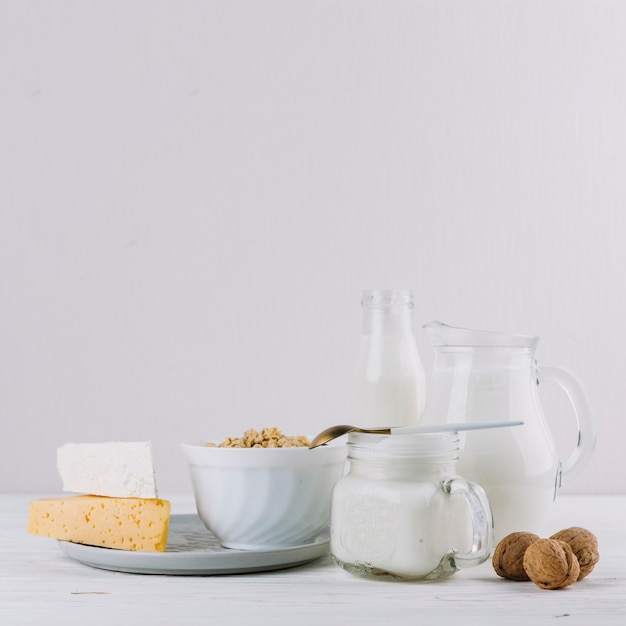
390	387
490	376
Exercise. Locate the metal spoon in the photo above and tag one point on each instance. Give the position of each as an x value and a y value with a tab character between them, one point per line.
342	429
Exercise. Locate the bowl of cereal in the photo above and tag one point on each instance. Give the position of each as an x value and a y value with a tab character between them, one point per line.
264	490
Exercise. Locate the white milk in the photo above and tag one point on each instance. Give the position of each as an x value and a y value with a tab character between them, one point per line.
390	385
396	527
519	474
518	467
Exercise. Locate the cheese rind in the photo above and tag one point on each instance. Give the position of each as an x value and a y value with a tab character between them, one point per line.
116	469
121	523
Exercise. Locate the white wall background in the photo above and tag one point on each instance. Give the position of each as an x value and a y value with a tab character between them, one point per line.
194	193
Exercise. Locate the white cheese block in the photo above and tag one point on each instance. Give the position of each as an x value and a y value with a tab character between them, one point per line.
116	469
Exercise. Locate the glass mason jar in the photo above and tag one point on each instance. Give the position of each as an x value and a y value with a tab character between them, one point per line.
401	513
390	386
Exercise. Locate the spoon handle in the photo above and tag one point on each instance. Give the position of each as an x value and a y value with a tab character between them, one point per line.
442	428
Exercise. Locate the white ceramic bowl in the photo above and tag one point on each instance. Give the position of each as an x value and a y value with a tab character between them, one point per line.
264	498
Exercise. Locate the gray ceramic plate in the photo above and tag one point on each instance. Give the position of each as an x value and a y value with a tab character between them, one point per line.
192	550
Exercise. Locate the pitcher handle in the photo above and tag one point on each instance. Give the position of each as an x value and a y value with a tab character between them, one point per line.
585	418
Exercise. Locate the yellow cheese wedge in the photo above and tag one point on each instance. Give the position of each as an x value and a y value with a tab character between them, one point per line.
120	523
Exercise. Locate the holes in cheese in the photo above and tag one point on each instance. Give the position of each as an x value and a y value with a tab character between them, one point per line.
120	523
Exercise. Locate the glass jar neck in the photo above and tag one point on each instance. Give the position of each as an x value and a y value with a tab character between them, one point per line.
387	312
432	450
404	469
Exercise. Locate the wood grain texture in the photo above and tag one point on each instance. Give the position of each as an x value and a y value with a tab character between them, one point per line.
39	585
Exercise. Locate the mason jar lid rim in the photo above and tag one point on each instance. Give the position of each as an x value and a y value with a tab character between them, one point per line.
417	446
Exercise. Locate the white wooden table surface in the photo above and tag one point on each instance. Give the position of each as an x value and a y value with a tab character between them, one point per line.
39	585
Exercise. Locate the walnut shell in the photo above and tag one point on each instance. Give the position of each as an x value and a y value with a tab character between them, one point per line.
551	564
508	557
584	545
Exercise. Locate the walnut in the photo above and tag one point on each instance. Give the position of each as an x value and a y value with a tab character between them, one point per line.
508	557
584	545
551	564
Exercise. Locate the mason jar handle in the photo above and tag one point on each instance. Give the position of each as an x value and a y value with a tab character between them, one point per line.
585	419
482	521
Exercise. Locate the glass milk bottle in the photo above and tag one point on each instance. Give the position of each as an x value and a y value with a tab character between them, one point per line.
402	513
390	385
